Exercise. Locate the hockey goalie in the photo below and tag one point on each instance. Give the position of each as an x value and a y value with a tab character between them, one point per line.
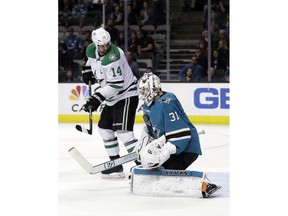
169	144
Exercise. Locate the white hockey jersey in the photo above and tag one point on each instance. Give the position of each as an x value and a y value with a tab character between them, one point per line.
113	74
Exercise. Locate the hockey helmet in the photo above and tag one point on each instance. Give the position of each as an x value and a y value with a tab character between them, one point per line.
101	37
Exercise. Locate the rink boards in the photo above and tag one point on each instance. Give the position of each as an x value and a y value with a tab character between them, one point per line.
204	103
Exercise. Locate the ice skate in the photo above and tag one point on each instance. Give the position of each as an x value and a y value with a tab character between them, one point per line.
209	189
113	173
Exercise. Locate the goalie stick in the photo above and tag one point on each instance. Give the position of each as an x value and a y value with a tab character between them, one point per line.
86	165
83	129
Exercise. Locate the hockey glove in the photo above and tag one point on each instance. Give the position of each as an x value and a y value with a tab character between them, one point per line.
156	153
88	76
94	102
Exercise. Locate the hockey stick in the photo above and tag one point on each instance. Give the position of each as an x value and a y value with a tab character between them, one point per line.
103	166
85	164
79	127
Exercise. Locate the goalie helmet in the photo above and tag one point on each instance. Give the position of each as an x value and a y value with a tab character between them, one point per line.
101	37
149	87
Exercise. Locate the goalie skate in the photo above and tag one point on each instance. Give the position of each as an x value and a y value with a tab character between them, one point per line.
209	189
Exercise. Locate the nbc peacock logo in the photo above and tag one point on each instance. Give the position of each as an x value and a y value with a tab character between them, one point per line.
76	93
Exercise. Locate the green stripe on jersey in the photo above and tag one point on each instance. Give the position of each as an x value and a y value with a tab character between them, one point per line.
116	86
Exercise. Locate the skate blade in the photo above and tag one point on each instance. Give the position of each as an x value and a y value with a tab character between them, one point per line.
216	189
115	175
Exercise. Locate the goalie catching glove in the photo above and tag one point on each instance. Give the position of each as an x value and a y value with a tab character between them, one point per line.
157	152
94	102
88	75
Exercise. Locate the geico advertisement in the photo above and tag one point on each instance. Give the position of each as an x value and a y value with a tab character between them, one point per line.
196	98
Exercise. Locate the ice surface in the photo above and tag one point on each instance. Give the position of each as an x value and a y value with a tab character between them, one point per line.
82	194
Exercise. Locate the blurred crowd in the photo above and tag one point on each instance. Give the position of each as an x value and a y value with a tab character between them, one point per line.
146	39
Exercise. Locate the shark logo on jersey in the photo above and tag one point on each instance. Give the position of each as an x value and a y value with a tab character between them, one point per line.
165	100
112	57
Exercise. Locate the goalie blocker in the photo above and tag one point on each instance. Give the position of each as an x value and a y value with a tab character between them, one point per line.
164	182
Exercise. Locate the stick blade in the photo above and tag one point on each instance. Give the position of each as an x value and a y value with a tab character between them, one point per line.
79	128
82	161
84	130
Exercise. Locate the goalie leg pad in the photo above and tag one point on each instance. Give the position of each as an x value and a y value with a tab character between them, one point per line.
162	182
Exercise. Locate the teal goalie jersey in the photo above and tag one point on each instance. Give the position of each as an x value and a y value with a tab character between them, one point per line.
166	116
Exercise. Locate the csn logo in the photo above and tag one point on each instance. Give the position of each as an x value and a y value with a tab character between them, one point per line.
76	95
212	98
80	95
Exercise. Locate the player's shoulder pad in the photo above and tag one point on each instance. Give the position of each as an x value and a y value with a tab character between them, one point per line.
112	56
90	51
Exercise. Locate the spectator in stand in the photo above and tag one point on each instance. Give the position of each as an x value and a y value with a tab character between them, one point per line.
191	76
196	68
203	46
202	60
223	51
79	10
214	77
223	36
146	43
73	43
88	35
69	77
227	25
64	60
159	12
109	7
120	42
204	36
114	33
145	15
132	18
65	9
83	50
133	43
137	6
133	65
220	11
217	62
189	5
117	15
217	6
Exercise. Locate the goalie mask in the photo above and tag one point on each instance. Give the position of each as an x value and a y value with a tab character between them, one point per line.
149	87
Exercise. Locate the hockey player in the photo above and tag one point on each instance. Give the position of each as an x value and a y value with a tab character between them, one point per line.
110	69
176	142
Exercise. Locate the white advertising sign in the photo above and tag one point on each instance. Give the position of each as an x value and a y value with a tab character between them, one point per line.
197	98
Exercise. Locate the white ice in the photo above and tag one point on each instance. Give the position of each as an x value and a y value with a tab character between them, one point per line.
82	194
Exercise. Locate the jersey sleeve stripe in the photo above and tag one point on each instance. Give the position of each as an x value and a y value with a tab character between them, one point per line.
116	82
178	134
179	138
116	86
